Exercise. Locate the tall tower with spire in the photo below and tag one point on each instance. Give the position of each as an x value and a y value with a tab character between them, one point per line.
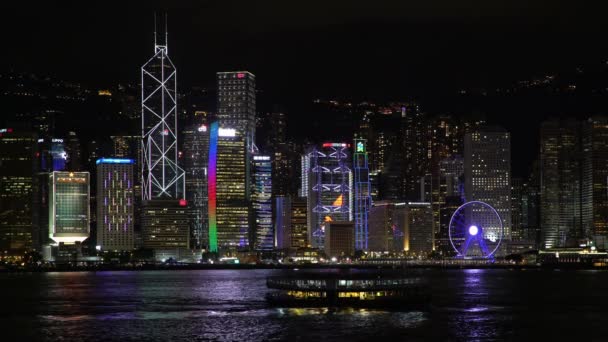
162	177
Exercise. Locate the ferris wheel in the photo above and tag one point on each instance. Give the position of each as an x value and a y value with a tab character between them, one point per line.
476	230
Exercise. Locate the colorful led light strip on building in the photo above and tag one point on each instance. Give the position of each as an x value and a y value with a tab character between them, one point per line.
212	183
114	161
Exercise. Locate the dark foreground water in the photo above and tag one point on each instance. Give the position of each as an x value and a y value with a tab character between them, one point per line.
228	305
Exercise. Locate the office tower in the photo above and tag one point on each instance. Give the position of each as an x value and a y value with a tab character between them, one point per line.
516	209
442	239
74	152
195	159
282	222
304	175
115	204
58	154
18	155
165	228
236	106
329	188
283	171
560	183
69	211
531	205
129	146
291	222
126	146
362	197
339	239
413	142
419	228
487	167
299	222
387	227
451	176
228	190
595	177
162	177
261	201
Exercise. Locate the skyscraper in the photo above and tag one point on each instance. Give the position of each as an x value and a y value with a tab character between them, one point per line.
261	201
362	196
69	210
115	204
487	167
236	106
228	190
18	155
560	183
329	185
595	176
162	176
195	159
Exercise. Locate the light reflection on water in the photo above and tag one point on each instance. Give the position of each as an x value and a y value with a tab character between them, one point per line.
229	305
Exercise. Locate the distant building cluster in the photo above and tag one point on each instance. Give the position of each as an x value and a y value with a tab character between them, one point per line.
203	181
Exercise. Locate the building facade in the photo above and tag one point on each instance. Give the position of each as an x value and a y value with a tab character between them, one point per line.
115	204
261	201
17	176
487	167
165	228
560	183
340	239
69	209
329	188
236	102
362	195
195	160
228	190
162	177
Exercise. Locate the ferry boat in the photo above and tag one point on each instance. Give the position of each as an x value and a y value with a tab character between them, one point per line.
358	290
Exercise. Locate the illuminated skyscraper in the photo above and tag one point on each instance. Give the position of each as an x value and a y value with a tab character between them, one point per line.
560	183
227	190
115	204
329	188
162	177
18	155
362	197
69	210
595	177
195	159
261	200
236	102
487	168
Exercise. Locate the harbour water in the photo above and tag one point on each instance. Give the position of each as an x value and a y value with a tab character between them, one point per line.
229	305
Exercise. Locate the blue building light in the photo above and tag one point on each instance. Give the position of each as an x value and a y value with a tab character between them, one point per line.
114	161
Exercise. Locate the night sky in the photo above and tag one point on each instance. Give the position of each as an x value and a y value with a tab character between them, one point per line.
300	50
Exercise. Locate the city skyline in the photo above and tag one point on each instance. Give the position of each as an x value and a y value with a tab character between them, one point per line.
240	149
446	52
